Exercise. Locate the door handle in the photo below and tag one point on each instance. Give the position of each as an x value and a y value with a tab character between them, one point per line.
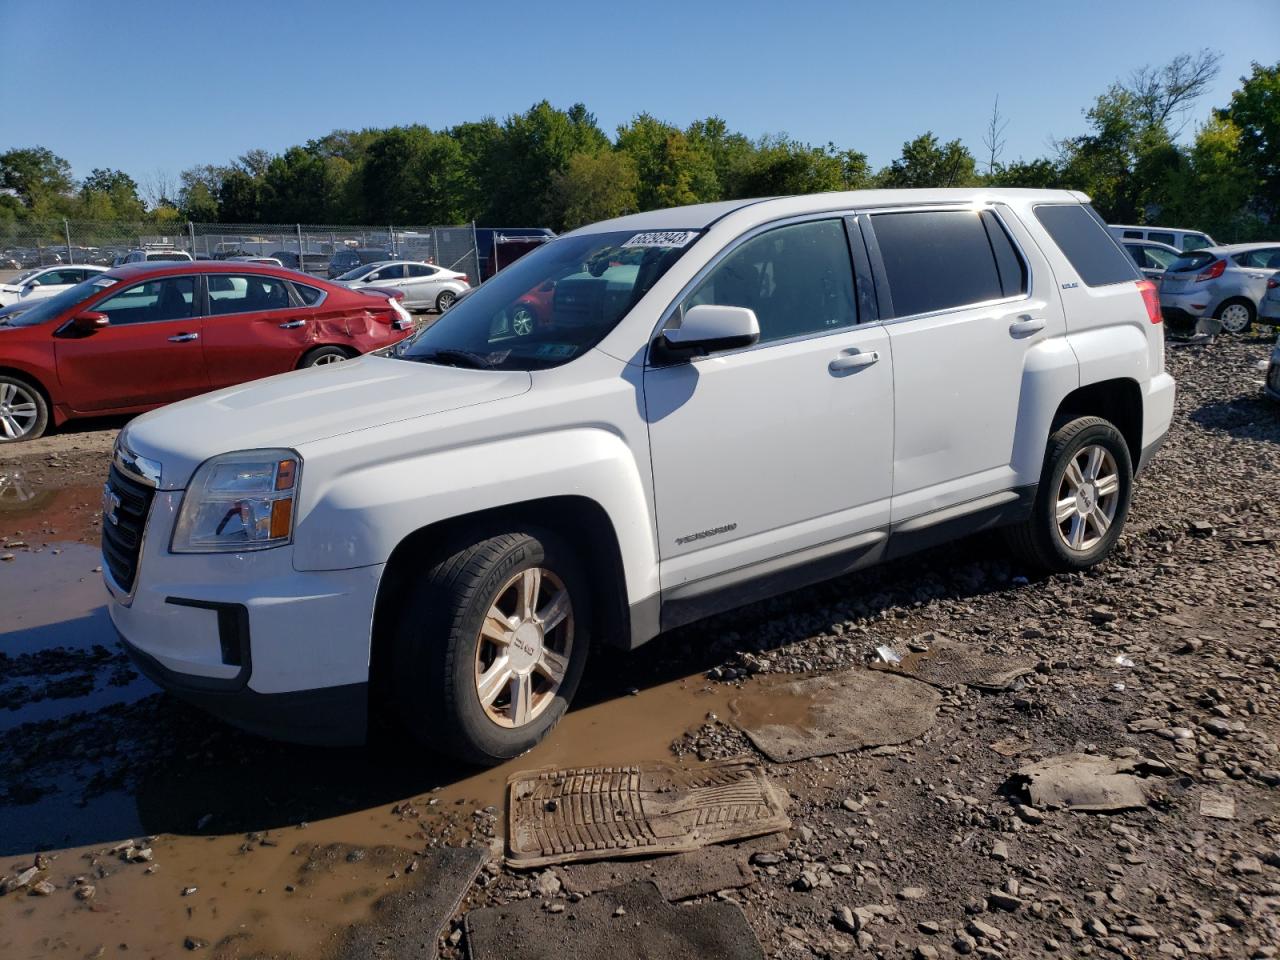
1025	326
184	337
293	324
851	361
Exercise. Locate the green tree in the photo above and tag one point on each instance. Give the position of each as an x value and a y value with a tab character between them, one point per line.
780	166
40	178
673	168
927	163
531	148
1255	112
238	197
594	186
110	195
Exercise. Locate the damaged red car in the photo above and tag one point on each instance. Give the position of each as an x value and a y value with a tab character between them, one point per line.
147	334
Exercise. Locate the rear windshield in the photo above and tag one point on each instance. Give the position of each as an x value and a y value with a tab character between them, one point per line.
1192	261
1082	236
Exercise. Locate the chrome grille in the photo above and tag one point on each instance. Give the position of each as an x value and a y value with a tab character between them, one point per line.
126	503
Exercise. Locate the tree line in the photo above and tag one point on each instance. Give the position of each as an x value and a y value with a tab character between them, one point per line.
558	168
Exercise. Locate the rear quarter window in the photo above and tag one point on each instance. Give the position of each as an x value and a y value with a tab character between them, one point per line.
1085	241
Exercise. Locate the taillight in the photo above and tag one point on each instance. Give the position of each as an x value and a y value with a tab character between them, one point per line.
1151	299
465	279
1214	272
1272	284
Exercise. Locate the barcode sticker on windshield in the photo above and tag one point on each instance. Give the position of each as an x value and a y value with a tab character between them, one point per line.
662	238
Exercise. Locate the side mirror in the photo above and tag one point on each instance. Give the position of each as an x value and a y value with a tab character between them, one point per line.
708	327
90	321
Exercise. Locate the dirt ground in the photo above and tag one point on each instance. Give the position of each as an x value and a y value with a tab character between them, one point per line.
156	831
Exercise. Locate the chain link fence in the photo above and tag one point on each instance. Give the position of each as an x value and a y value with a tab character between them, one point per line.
320	249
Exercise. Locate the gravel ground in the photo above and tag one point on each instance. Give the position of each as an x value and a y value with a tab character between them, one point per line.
1165	654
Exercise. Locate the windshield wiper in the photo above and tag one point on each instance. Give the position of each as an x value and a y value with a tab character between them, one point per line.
454	358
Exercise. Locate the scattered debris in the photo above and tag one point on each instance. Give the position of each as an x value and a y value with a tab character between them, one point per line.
946	664
406	919
677	876
630	921
846	711
1081	781
558	816
1217	806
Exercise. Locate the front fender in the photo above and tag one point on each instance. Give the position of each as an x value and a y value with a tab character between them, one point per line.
357	517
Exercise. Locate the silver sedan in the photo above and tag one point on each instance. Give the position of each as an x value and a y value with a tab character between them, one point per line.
425	286
1224	283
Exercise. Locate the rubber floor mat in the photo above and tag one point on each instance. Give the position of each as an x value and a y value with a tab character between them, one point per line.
406	923
593	813
677	876
952	665
834	713
630	921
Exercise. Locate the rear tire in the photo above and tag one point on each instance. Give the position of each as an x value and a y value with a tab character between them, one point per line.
1073	526
445	300
1236	316
320	356
474	674
24	413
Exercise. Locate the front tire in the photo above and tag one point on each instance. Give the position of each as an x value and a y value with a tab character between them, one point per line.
1082	501
1236	316
24	414
490	646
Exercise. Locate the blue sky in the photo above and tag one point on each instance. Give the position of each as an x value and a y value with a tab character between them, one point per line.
148	86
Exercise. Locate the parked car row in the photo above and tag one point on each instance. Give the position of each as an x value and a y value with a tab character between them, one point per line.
145	334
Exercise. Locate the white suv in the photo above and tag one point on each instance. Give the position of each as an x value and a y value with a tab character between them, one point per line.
715	404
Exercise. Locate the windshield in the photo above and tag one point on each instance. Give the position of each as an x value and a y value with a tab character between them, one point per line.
168	255
357	273
552	305
25	275
49	308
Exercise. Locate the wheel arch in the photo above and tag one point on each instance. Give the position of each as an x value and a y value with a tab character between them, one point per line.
581	522
1118	401
55	416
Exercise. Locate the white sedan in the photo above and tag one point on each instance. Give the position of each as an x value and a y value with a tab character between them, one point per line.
424	286
44	282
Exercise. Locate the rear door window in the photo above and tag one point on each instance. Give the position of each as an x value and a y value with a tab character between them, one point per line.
249	293
1083	238
941	260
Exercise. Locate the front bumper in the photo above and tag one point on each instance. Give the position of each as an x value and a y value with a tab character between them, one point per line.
245	636
1272	383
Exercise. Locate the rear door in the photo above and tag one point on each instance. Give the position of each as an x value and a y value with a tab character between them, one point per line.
962	318
148	354
420	285
255	327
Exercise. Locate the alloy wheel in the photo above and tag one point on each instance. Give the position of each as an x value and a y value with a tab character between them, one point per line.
522	322
327	359
524	646
1087	497
445	301
1234	317
18	410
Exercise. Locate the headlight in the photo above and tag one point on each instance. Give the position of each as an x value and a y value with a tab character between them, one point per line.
239	501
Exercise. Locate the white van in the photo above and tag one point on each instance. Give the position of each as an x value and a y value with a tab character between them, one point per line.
1173	236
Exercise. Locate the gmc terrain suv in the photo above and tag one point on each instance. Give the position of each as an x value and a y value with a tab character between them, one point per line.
720	403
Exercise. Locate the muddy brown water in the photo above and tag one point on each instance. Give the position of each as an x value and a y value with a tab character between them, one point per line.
53	601
388	802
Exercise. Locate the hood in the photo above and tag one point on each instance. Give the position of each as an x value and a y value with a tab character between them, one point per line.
308	405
